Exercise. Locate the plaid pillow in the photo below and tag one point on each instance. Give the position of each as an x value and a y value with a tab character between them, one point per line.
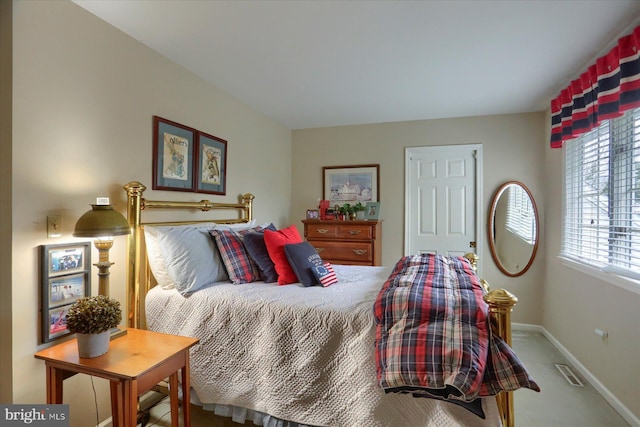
239	265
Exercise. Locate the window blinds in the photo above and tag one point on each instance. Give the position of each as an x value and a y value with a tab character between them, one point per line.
602	196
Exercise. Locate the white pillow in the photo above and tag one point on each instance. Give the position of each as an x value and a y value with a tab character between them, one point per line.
187	254
155	257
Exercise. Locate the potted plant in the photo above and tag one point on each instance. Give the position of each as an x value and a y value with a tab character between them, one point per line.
359	209
92	319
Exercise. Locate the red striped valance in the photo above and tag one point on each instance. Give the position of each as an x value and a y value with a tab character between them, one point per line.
607	89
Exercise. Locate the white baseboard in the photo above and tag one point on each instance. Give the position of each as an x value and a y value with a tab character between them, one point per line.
624	412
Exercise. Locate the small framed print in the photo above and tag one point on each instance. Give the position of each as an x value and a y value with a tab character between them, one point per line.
65	278
66	258
372	210
313	214
173	151
56	323
64	290
211	164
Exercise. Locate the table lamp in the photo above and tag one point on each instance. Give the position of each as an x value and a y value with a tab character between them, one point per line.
102	223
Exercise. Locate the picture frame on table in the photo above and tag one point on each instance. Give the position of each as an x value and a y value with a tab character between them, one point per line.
211	164
372	210
313	214
64	278
173	155
351	184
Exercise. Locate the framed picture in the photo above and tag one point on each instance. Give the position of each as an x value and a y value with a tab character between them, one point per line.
66	258
211	164
313	214
351	184
65	277
64	290
56	323
173	150
372	210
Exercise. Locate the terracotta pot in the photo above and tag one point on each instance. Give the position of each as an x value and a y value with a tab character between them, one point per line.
93	345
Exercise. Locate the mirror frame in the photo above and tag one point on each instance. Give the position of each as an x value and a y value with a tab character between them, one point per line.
491	226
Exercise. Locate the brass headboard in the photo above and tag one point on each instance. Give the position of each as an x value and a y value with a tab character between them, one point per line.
139	279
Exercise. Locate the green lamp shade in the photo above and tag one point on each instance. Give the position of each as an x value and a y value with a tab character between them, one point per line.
101	221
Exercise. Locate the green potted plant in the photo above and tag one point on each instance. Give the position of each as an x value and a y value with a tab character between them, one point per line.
92	319
359	209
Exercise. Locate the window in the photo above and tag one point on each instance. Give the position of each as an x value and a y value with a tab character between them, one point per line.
520	218
602	196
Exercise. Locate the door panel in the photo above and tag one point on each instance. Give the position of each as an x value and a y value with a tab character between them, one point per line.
441	199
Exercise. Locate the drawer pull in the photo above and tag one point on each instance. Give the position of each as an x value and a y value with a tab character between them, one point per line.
322	231
359	251
355	232
319	250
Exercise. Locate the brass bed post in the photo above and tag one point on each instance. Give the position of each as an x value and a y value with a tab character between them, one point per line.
134	191
500	304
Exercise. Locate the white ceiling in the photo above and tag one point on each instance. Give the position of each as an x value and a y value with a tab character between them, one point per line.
328	63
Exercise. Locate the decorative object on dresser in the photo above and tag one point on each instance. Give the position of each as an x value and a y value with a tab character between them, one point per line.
64	272
346	242
372	210
351	184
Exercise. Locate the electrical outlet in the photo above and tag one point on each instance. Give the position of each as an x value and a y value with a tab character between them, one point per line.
54	226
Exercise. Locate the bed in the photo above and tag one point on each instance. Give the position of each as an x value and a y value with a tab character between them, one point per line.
287	355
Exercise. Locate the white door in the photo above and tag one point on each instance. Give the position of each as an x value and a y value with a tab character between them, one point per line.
442	209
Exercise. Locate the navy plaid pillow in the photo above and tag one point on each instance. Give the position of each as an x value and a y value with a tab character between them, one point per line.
239	265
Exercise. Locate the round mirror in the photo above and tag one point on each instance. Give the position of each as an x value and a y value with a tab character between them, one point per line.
513	228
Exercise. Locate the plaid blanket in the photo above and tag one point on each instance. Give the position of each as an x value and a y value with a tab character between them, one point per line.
433	337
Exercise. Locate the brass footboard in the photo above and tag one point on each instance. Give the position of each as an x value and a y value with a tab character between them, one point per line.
501	304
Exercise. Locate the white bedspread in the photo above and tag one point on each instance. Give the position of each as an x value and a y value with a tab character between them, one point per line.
299	354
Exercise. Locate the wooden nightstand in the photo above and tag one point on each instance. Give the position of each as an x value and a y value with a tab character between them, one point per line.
346	242
134	364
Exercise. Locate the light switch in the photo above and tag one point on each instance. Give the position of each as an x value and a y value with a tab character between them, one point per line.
54	226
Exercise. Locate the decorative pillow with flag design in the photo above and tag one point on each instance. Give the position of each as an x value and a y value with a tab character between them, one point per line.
325	274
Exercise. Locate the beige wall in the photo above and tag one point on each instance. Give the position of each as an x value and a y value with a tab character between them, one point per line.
84	95
575	304
6	38
511	146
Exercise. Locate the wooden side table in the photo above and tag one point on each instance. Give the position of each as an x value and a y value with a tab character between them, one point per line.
135	363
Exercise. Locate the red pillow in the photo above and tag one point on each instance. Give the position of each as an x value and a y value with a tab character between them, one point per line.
275	241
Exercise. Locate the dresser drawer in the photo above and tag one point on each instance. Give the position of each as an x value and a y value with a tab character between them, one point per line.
340	231
346	242
354	252
321	231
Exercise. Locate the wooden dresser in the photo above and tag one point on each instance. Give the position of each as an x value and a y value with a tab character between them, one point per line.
346	242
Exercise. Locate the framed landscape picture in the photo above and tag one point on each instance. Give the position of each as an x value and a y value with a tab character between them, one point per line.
351	184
